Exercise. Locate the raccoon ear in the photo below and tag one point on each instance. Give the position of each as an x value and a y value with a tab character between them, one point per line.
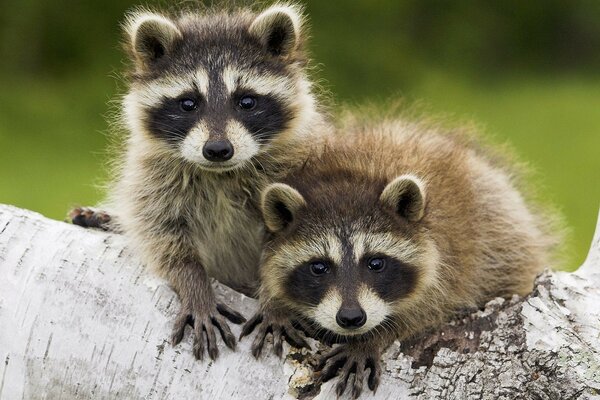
405	195
278	29
151	36
280	203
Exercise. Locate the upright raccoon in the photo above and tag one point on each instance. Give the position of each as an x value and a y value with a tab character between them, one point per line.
388	232
218	104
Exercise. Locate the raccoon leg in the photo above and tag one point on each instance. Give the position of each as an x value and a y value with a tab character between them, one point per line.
277	322
200	309
351	361
90	218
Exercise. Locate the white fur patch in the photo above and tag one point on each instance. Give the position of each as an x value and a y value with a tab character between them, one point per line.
230	77
263	84
375	307
279	16
412	177
328	245
429	261
151	94
385	243
307	116
192	145
202	81
132	113
292	11
135	20
244	145
271	197
404	185
324	314
334	248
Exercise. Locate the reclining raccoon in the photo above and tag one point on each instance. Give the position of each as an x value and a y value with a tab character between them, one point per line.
388	232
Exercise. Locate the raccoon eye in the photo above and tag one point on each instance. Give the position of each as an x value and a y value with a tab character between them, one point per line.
376	264
319	268
247	102
188	104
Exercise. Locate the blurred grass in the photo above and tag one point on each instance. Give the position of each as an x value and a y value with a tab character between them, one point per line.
50	133
456	58
54	145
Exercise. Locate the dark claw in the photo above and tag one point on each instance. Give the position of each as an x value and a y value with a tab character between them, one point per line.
374	375
332	354
230	314
198	341
340	387
177	335
350	363
88	218
77	218
332	367
183	319
251	325
277	341
347	369
225	331
211	341
359	376
278	325
294	339
259	341
204	325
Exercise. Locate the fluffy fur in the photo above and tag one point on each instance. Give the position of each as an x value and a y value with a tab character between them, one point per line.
187	216
444	214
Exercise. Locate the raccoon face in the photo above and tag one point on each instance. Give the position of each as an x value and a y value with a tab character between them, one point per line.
352	274
217	90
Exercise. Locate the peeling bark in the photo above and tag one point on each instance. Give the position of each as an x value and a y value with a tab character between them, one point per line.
80	318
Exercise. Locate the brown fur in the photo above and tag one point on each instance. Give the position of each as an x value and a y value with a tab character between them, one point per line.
483	239
443	212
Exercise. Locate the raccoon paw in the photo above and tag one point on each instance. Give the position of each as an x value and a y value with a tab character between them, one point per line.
204	321
351	359
279	326
90	218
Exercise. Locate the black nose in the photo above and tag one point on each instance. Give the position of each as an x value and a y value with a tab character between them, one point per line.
351	318
218	150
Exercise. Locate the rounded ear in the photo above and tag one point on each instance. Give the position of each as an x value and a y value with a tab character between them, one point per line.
279	204
406	196
278	28
151	36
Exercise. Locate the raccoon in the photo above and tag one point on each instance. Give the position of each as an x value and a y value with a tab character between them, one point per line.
388	232
219	103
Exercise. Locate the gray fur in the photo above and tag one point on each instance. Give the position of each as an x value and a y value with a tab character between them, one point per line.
186	220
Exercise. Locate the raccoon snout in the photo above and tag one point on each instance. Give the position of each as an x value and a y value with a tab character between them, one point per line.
351	318
218	150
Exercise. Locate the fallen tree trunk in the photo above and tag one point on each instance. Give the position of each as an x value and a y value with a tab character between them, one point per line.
80	318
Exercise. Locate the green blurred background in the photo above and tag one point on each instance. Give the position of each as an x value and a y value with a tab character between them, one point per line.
527	72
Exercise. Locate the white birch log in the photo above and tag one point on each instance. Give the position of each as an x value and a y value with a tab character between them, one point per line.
80	318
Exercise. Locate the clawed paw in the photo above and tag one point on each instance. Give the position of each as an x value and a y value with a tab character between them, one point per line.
351	362
204	322
279	326
90	218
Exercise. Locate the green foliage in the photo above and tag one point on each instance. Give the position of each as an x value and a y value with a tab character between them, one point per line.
522	70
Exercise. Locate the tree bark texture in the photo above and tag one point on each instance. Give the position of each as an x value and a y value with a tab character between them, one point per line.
81	318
